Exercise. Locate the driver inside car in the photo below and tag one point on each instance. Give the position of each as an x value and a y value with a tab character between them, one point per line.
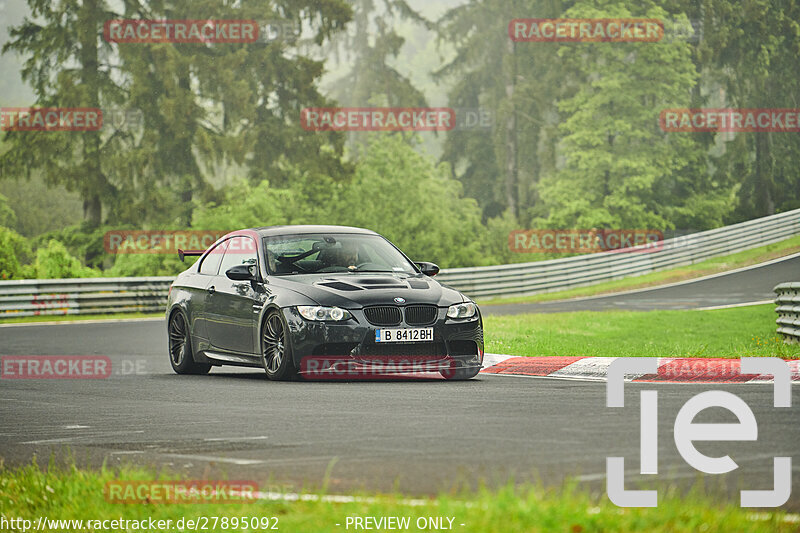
347	255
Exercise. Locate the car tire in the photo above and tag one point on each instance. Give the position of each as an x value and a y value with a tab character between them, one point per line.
276	351
181	355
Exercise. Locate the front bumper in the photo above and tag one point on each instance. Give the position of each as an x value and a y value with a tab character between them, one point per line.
349	347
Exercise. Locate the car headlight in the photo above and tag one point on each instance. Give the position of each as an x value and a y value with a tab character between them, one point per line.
316	312
462	310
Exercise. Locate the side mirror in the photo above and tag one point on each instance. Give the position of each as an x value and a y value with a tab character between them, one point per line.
240	273
429	269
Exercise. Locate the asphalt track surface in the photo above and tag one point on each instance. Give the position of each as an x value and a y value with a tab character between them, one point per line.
418	438
751	284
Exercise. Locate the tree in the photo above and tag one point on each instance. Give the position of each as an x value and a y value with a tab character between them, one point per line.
415	204
620	169
14	252
518	84
369	45
206	106
64	69
54	262
756	49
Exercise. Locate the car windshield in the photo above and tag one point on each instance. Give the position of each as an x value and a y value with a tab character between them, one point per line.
334	252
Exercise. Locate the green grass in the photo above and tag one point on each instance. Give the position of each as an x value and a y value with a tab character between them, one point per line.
70	318
704	268
72	493
735	332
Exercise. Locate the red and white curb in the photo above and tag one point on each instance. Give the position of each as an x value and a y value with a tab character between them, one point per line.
670	369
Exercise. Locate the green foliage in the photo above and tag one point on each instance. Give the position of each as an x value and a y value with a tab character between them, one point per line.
518	85
754	50
575	140
81	240
14	251
247	206
395	191
146	265
369	49
204	109
37	207
53	261
415	204
621	170
7	216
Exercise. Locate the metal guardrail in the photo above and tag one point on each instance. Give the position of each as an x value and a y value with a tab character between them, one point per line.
787	301
128	295
30	297
579	271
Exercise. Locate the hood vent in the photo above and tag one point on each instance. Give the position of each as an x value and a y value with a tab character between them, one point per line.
418	284
379	281
340	286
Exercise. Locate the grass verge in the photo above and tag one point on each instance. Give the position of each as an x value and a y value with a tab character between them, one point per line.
76	318
714	265
735	332
77	494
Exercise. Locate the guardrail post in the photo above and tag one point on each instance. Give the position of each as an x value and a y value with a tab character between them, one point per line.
787	300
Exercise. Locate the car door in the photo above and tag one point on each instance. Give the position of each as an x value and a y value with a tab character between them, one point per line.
232	315
202	281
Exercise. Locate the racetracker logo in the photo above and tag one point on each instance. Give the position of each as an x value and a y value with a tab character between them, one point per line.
378	119
51	119
731	120
338	367
161	241
615	30
55	367
180	31
193	491
687	432
585	241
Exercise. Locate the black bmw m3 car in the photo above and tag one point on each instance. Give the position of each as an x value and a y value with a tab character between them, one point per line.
319	302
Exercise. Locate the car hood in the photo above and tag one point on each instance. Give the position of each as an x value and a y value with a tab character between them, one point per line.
356	290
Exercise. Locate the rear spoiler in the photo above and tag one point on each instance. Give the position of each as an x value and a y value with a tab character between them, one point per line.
184	253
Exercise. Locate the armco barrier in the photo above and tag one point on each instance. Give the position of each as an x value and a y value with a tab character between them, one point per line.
121	295
559	274
787	300
30	297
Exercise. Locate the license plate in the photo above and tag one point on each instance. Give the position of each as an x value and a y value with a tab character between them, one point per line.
404	335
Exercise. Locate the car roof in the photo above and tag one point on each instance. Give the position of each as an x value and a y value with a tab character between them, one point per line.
303	229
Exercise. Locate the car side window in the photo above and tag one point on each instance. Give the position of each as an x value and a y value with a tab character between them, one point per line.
210	264
240	251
